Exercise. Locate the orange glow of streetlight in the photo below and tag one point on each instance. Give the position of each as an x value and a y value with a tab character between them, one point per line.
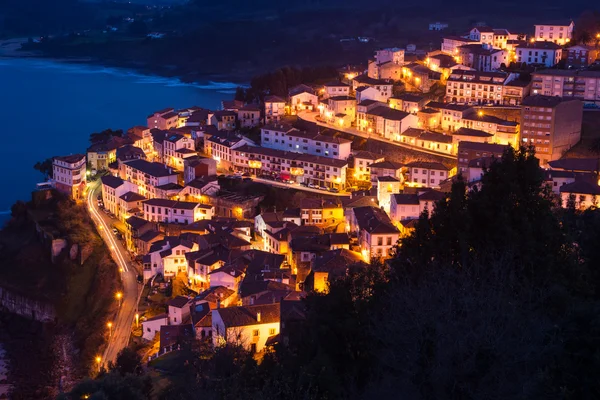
98	359
109	325
480	113
119	296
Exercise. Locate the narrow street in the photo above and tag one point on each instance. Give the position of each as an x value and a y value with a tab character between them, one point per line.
298	187
121	326
311	117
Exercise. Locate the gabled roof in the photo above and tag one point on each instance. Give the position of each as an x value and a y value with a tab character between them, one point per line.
367	155
491	147
248	315
151	168
581	186
387	179
335	84
432	195
386	165
136	222
112	181
406	199
415	98
185	205
178	302
576	164
388	113
545	101
132	196
374	220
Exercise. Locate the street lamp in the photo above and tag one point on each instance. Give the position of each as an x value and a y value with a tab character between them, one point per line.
98	362
109	324
137	320
119	296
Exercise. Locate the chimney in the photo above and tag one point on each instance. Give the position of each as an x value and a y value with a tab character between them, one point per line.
258	316
218	303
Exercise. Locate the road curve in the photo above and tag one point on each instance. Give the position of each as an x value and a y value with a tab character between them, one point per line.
121	326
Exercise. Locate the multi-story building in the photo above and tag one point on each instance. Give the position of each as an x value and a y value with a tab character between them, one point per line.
515	91
382	87
376	233
468	151
408	102
249	116
581	56
303	98
482	57
150	177
69	174
547	54
175	149
450	44
386	187
584	193
419	77
335	88
220	145
385	168
427	174
475	87
364	121
274	108
224	120
362	162
113	188
303	168
284	137
439	142
163	119
503	131
557	33
392	54
551	124
339	110
391	123
176	212
321	212
584	85
452	114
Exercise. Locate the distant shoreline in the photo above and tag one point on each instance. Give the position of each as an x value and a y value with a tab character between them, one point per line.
11	48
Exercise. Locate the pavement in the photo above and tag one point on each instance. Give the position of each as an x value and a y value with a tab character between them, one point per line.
312	117
121	328
298	187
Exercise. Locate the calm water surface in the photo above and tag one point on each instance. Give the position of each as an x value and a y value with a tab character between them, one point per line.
49	108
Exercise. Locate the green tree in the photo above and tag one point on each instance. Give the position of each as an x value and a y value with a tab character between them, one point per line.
105	135
45	167
128	362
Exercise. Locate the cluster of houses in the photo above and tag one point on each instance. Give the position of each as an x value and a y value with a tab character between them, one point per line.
251	268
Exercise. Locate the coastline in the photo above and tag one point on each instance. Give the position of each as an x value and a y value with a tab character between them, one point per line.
11	48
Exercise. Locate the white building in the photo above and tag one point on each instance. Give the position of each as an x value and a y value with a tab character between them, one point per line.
404	206
219	146
179	310
151	326
394	55
546	53
391	123
427	174
178	212
377	235
386	187
68	174
437	26
335	88
284	137
557	33
176	148
274	108
248	326
305	100
362	162
113	188
149	177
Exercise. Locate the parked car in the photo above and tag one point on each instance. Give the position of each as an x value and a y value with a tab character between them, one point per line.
334	190
115	231
312	186
322	188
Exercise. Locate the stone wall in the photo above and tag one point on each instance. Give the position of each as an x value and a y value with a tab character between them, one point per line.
26	307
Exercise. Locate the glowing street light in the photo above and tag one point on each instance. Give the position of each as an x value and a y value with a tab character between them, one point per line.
98	360
109	325
119	296
480	113
137	320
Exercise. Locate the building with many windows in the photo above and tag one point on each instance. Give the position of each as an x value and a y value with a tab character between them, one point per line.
584	85
551	124
475	87
558	33
69	174
151	178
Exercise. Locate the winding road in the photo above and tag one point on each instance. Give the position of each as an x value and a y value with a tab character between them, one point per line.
121	326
